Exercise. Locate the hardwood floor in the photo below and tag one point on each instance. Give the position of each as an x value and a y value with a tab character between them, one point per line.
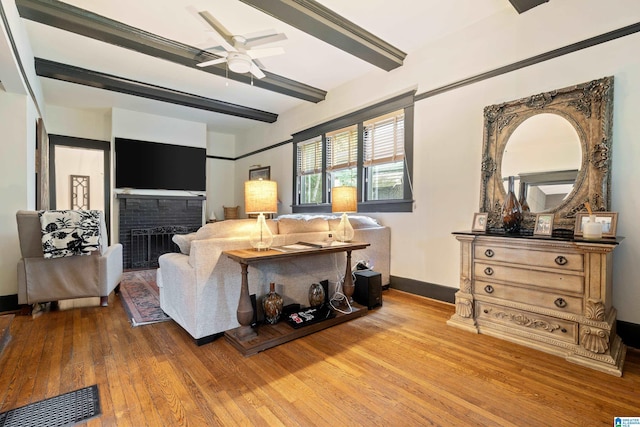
399	365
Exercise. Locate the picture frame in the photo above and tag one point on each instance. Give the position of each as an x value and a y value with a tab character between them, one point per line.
260	173
480	221
609	222
544	224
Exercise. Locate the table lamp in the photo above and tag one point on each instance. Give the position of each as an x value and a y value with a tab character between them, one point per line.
344	199
260	197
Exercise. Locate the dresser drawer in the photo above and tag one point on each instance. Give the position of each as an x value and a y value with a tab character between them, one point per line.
556	281
559	329
549	300
550	259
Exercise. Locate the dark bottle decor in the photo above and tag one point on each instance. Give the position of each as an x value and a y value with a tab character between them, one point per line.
272	305
316	295
511	211
523	197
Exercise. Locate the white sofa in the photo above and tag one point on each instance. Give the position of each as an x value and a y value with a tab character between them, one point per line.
200	287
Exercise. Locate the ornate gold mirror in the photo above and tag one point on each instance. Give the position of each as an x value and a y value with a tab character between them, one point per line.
557	146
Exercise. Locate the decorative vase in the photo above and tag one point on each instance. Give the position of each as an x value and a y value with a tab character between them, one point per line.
511	210
523	198
592	229
272	305
316	295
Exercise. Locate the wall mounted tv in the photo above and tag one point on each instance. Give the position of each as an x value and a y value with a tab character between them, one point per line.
154	166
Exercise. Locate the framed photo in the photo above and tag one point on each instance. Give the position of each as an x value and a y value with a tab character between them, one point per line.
480	221
260	173
609	221
544	225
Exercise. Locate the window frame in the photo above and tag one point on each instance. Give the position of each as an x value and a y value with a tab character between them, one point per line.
404	102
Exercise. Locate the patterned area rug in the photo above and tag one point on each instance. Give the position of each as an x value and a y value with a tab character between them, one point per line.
140	296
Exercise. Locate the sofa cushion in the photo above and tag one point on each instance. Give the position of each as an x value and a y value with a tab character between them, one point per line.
301	224
184	241
356	221
231	228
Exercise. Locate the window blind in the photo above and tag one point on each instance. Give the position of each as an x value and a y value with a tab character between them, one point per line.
384	139
342	148
310	156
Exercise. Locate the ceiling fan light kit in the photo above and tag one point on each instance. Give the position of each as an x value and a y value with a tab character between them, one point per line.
239	63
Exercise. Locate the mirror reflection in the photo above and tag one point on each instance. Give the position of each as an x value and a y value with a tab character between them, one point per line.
544	155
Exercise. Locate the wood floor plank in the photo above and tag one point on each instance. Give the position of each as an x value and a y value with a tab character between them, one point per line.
398	365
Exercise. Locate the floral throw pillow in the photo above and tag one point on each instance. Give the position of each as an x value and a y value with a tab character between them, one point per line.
68	233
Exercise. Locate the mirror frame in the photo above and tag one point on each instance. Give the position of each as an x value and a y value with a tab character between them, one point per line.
589	108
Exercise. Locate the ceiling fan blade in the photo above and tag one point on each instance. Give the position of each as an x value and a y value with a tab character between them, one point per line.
257	72
226	38
212	62
263	53
259	41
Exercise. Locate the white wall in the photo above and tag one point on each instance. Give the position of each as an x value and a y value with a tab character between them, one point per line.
79	161
17	179
152	128
449	126
88	123
220	173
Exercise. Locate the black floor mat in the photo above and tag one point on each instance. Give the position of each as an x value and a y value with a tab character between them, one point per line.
64	410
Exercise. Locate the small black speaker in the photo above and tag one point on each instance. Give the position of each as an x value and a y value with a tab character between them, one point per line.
368	288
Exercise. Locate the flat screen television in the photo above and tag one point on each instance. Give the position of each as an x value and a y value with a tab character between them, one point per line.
155	166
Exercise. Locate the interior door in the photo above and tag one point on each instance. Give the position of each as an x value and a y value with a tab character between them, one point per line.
79	174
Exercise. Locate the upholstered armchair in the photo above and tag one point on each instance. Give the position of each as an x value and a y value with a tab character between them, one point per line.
43	279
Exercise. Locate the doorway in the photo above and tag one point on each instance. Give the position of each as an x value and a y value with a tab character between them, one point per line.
79	174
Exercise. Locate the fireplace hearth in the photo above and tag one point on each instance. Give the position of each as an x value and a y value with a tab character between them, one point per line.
147	224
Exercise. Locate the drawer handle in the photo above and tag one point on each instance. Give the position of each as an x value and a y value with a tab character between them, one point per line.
485	311
563	330
488	271
560	260
560	303
489	253
488	289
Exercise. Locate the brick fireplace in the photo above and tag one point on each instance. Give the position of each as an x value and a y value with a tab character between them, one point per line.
148	222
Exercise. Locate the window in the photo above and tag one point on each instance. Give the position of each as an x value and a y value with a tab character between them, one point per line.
342	157
370	149
384	157
309	161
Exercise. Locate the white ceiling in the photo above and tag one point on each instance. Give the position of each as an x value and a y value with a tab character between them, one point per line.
408	25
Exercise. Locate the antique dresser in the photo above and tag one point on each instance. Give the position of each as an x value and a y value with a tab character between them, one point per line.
547	288
551	294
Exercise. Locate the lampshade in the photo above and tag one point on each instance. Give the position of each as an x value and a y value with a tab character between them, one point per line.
238	63
344	199
260	196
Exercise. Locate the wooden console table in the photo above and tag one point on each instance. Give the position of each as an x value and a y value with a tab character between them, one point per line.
245	338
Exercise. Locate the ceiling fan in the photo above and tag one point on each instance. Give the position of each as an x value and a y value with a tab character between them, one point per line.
239	52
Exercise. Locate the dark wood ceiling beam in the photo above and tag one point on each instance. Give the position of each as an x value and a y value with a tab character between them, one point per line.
82	76
83	22
322	23
522	6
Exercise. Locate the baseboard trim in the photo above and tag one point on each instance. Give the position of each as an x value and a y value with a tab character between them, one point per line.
629	332
425	289
9	303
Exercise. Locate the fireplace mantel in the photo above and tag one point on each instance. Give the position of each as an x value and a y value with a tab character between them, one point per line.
158	196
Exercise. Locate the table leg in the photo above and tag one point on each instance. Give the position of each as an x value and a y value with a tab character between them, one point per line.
245	309
347	286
